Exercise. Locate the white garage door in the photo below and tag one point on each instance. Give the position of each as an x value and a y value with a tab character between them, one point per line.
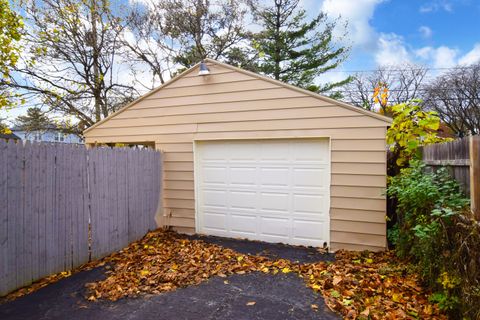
269	190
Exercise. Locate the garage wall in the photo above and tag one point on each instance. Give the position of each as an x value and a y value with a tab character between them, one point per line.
229	104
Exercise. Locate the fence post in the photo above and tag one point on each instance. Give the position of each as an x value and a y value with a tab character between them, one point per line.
475	176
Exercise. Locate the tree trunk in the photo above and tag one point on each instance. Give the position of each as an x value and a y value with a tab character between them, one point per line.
276	73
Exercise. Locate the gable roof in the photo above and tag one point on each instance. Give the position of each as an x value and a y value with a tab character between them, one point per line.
377	116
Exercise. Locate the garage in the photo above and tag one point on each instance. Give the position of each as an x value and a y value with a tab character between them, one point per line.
268	190
247	156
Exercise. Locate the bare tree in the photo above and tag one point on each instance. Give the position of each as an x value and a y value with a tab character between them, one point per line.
145	42
71	63
404	83
456	97
203	28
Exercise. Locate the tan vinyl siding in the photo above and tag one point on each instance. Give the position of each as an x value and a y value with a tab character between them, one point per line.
230	104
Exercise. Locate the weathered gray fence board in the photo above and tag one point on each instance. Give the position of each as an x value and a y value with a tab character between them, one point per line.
42	194
96	201
63	205
28	206
49	188
452	155
4	263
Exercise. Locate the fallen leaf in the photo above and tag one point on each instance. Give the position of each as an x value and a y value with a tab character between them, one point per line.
336	280
286	270
144	273
251	303
335	294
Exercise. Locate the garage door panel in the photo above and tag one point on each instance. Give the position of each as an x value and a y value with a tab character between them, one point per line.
275	227
276	176
275	152
308	203
215	198
308	151
243	152
245	224
215	221
216	175
307	230
275	201
242	199
242	175
310	177
214	152
270	190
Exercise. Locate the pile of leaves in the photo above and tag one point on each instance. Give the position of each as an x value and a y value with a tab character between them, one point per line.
366	285
357	285
164	261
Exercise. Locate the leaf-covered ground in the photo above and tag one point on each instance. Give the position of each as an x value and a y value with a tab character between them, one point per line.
356	285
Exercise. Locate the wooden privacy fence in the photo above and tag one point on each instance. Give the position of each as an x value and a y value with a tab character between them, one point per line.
462	157
62	205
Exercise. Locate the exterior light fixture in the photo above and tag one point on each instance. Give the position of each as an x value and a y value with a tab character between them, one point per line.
203	69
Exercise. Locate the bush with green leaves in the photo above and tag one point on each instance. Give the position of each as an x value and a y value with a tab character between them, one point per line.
436	233
425	200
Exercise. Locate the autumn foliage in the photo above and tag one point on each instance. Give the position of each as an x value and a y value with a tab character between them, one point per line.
357	285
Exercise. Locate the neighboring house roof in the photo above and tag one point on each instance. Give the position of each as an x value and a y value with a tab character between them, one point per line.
9	136
377	116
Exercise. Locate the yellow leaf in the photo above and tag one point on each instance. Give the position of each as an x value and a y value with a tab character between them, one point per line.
316	287
286	270
396	297
144	273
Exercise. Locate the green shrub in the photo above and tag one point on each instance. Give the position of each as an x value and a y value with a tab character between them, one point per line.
434	232
425	201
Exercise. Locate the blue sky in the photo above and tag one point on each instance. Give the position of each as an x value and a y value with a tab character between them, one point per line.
440	34
437	33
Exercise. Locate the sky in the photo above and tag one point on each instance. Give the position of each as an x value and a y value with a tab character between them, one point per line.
440	34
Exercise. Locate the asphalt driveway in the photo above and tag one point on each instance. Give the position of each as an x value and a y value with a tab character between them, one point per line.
250	296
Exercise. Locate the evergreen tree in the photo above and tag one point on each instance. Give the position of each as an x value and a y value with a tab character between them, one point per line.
294	49
34	120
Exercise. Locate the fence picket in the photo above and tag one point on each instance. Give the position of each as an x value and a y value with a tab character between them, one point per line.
64	205
4	263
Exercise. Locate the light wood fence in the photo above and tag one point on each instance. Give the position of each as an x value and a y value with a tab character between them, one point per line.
62	205
462	158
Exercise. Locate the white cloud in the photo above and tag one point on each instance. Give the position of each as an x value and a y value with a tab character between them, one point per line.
441	57
333	77
358	14
436	5
473	56
445	57
391	50
426	32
